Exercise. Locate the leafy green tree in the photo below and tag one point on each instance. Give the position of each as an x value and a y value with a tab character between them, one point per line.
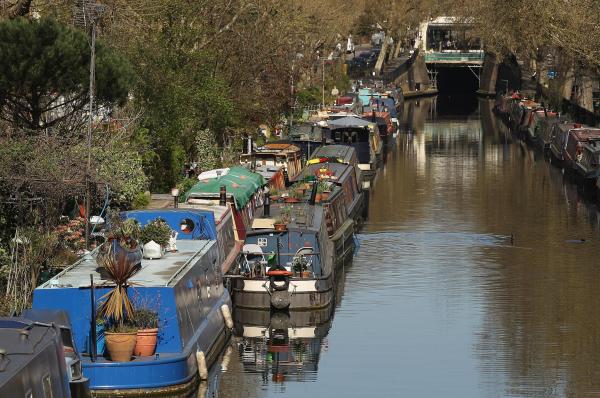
44	73
207	150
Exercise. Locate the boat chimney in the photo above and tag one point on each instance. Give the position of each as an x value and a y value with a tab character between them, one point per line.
267	205
286	177
313	194
223	196
373	118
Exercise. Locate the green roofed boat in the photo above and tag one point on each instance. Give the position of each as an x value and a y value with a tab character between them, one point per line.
243	192
241	184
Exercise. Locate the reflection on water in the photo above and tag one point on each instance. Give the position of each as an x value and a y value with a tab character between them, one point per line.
468	283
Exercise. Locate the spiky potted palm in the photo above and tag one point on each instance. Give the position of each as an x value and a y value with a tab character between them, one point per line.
116	308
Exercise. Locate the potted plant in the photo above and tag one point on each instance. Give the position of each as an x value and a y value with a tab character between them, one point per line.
115	308
125	232
274	194
300	266
285	217
157	231
146	321
279	225
324	189
123	238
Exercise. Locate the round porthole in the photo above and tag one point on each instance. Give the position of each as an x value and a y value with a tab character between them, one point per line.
186	226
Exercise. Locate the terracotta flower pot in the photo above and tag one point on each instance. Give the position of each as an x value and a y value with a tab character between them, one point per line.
146	342
318	197
280	227
325	196
120	345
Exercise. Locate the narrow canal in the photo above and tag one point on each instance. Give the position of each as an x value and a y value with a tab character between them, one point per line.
471	279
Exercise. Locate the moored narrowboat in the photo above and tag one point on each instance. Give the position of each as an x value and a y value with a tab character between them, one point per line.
558	139
183	287
38	357
582	152
345	193
339	154
363	136
239	187
287	261
275	154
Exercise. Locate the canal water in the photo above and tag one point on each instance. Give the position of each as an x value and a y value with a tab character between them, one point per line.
472	280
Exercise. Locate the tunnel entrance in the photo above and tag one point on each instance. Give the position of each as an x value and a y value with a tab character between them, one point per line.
457	89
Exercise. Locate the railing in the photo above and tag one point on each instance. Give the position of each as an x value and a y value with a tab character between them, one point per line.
454	57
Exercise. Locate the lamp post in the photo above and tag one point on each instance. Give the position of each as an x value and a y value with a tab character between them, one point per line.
175	195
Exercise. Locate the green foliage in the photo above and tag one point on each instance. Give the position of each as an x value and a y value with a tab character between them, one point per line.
44	66
158	231
207	150
127	232
185	185
144	318
309	96
141	200
120	165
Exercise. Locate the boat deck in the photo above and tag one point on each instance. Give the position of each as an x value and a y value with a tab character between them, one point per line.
158	272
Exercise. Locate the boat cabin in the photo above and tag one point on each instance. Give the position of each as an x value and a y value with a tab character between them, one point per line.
279	154
360	134
583	150
302	243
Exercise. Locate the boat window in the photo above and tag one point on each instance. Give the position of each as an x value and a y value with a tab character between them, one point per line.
47	386
186	226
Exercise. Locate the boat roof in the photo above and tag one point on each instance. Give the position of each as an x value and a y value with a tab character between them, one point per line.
349	121
586	134
337	170
343	152
240	183
219	212
306	132
569	126
18	351
304	216
153	273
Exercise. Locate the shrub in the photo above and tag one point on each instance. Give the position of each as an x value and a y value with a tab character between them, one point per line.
157	230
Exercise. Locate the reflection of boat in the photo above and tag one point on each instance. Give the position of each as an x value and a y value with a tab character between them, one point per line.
282	346
38	357
185	288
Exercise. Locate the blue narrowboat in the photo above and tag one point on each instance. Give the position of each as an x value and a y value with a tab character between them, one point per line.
184	287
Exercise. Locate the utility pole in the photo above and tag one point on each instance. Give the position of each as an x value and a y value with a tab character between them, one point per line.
92	13
323	85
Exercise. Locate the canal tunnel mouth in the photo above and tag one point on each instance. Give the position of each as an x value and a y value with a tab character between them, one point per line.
457	89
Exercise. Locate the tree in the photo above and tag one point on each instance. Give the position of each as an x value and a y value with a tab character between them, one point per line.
44	74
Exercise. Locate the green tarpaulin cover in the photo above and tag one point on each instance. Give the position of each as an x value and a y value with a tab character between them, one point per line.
240	182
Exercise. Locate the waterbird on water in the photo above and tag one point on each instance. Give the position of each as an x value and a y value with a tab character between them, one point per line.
512	239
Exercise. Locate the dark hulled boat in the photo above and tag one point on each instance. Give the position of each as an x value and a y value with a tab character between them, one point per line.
38	357
291	268
363	136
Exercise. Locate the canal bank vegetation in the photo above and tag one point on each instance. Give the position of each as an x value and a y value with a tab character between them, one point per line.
176	83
